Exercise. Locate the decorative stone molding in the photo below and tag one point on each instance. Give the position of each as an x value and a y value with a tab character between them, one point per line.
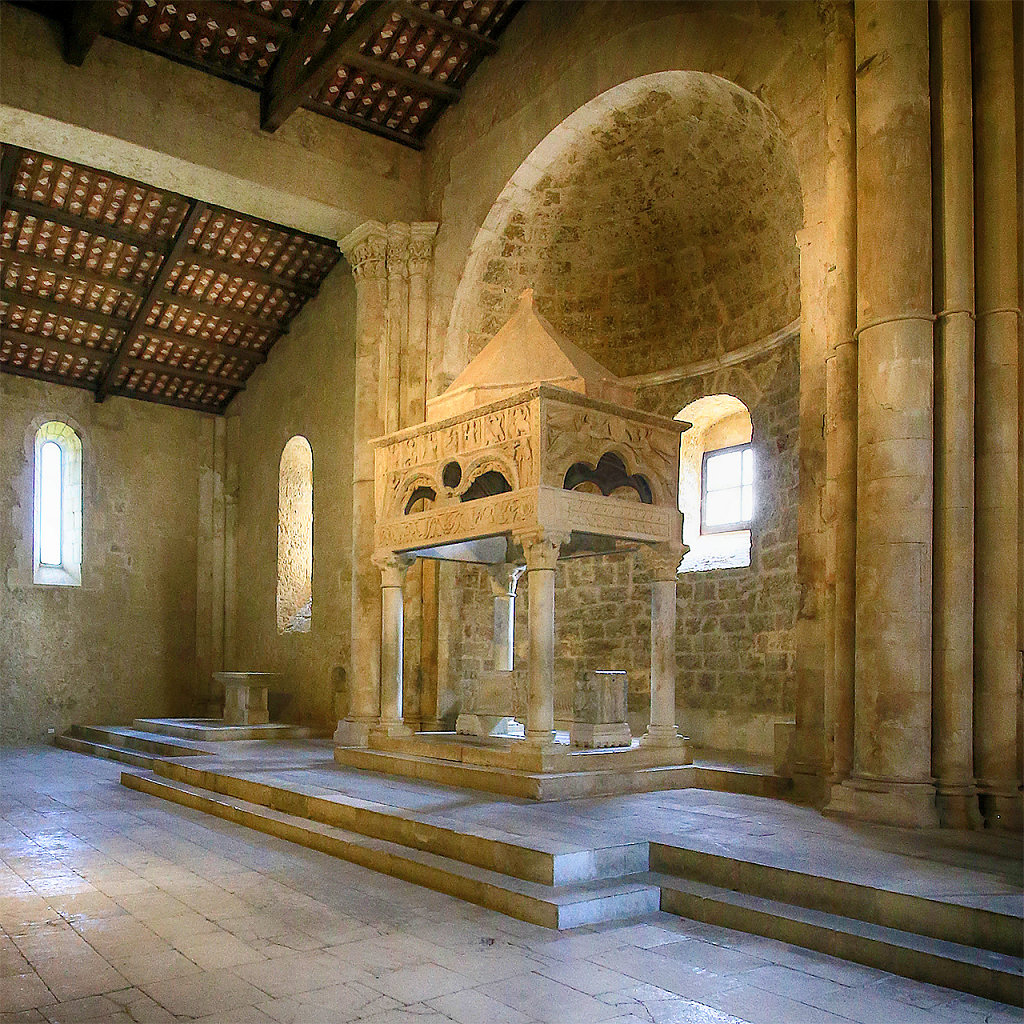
366	250
392	568
541	547
421	245
398	249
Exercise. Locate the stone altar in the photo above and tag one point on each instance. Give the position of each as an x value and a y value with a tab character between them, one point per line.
599	711
245	696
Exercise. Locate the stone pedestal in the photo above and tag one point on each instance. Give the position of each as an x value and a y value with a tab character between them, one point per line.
495	700
599	711
245	696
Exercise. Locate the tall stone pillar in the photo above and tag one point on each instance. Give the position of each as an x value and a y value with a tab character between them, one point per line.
663	564
953	603
392	569
840	388
366	251
414	365
997	357
892	780
541	550
397	323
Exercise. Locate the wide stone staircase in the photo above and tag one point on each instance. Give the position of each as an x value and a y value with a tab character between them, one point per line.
566	884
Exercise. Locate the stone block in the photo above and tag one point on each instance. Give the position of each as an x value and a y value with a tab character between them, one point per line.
599	710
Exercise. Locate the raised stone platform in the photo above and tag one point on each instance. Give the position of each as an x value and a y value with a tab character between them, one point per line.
498	764
217	730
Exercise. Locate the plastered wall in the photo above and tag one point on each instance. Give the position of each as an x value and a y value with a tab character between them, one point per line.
305	387
123	644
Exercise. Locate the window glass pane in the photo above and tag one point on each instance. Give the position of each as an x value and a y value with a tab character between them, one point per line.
722	507
723	470
748	504
748	465
51	460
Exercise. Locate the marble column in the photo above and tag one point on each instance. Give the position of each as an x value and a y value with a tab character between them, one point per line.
997	412
953	601
392	641
366	250
840	388
504	581
541	549
891	780
663	565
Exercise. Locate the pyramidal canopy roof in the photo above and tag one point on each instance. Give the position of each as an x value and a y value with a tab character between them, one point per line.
526	351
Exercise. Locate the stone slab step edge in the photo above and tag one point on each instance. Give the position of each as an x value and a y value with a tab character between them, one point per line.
223	733
134	739
110	753
552	907
510	782
509	857
964	968
937	919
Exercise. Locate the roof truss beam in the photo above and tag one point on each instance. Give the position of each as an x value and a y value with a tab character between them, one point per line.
63	309
151	366
55	267
83	23
65	348
251	355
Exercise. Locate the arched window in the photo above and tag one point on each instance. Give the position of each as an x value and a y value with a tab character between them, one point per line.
57	524
295	538
716	483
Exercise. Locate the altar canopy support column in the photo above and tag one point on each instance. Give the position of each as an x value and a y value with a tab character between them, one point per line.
997	357
953	640
392	640
663	564
892	773
366	250
504	581
541	550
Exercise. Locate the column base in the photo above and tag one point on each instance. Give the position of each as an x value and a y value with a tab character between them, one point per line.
390	730
885	802
1002	809
352	733
662	736
957	807
540	737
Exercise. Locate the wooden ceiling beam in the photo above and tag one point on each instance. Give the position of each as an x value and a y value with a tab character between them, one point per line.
248	272
65	348
413	12
176	403
389	72
93	227
243	18
49	378
48	266
64	309
82	24
8	166
178	248
365	124
292	82
215	347
150	365
236	316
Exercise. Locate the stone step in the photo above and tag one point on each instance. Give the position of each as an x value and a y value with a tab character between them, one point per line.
567	906
111	753
214	729
134	739
966	968
939	919
532	859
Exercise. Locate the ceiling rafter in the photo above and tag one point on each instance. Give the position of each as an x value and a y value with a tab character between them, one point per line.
83	24
251	355
153	366
420	16
181	240
222	312
393	73
248	272
297	81
63	309
52	344
48	266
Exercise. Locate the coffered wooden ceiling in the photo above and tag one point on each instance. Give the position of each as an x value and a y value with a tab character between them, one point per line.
391	68
120	288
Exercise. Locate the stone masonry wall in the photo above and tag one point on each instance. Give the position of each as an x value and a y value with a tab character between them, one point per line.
123	644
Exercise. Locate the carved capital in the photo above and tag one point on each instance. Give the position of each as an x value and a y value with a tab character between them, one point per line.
366	250
541	547
398	249
393	567
662	560
504	578
421	245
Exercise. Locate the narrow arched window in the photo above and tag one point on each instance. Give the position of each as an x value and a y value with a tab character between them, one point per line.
716	484
295	538
57	532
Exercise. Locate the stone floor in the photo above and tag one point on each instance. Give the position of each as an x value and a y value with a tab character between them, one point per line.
115	906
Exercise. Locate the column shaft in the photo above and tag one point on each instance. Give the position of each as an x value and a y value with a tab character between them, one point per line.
892	779
541	551
840	389
365	250
953	602
997	415
392	642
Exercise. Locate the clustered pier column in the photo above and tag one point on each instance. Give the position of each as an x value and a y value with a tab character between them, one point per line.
663	563
541	549
392	641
